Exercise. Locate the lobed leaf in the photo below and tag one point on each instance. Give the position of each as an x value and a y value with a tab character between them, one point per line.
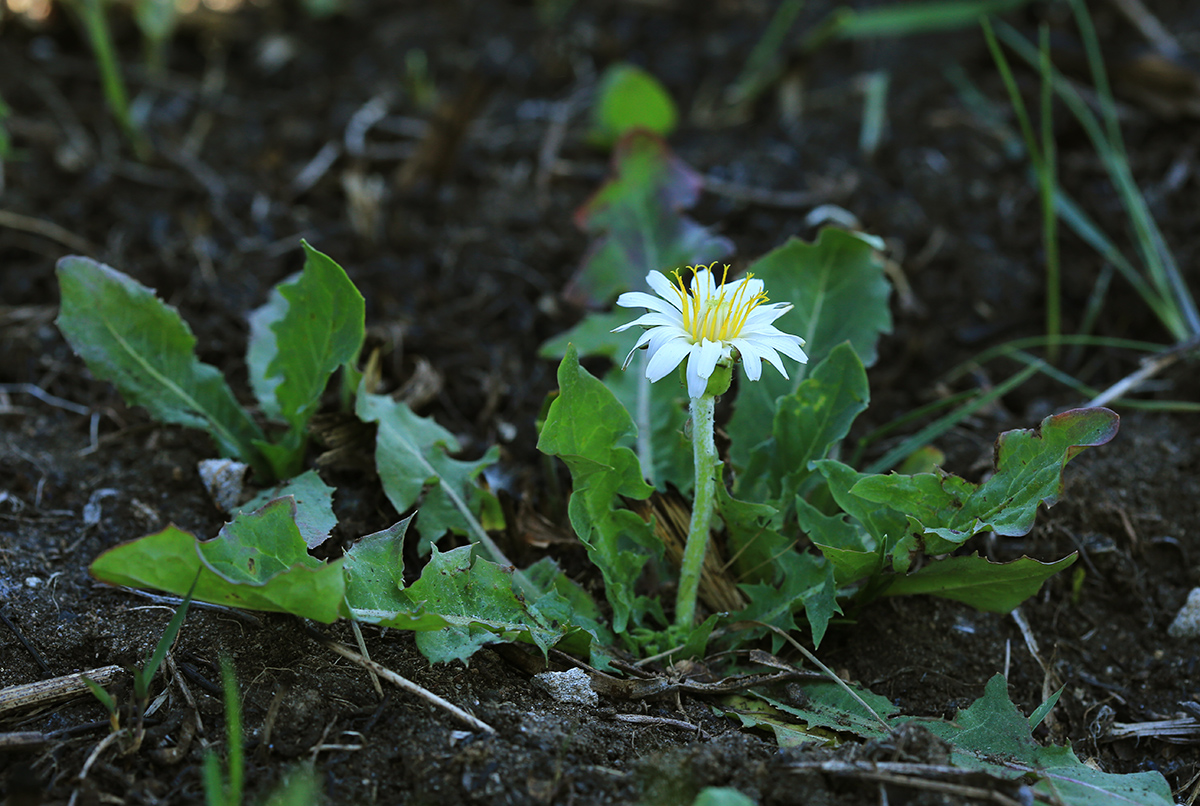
947	510
321	330
589	430
994	737
412	455
840	294
258	561
129	337
314	505
477	602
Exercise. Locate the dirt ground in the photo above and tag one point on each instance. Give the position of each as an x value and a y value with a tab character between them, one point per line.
462	265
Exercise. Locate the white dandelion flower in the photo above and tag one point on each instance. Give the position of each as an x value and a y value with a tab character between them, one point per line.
709	325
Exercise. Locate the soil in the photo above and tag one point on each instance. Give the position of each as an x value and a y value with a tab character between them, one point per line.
462	270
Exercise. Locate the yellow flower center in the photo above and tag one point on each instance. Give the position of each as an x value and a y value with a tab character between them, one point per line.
721	316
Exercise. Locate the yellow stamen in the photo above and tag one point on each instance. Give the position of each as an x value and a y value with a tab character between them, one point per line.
720	317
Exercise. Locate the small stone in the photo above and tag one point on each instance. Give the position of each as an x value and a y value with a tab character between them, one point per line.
571	686
1187	623
224	479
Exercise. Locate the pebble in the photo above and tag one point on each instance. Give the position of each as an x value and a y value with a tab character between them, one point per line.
1187	623
571	686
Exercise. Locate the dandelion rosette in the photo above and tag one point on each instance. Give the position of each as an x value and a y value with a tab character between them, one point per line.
710	325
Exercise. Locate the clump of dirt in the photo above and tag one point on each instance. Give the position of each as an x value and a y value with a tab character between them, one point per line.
462	267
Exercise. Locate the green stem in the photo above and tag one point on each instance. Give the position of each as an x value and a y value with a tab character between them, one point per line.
92	14
704	451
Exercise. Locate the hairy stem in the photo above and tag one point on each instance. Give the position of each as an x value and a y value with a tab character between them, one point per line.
705	453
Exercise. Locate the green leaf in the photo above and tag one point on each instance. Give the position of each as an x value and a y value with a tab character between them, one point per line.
751	538
629	98
374	568
479	606
636	222
257	562
1029	471
321	330
129	337
314	505
808	583
848	547
661	414
974	580
586	427
840	293
262	349
807	424
994	737
721	796
887	527
412	455
828	705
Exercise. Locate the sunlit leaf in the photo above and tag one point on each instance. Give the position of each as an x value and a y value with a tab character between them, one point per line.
629	98
257	562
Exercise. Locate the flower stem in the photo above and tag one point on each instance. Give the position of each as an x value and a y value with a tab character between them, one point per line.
704	452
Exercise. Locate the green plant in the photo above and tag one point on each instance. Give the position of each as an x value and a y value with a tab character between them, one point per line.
128	336
217	790
143	676
1157	280
91	14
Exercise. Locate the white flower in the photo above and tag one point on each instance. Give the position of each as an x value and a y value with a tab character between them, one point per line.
709	325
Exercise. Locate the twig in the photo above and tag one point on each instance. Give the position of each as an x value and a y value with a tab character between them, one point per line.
1151	366
362	647
783	199
47	229
914	776
1149	26
34	390
54	690
407	685
646	719
175	601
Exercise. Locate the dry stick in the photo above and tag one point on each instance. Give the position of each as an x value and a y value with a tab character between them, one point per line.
362	647
54	690
646	719
1150	367
907	775
827	671
412	688
47	229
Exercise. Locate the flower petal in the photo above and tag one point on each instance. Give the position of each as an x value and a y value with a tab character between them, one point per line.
640	299
662	286
666	358
751	358
766	314
652	319
710	353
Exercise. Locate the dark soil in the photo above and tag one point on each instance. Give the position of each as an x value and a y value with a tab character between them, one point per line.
462	272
